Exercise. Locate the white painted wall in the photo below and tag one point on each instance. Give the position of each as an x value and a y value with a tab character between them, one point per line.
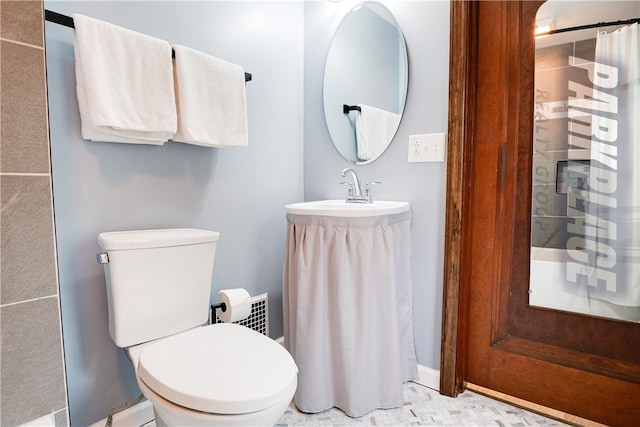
239	192
425	25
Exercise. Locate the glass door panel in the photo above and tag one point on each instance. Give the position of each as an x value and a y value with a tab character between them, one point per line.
585	224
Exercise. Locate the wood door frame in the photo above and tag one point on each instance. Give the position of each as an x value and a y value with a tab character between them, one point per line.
464	88
462	102
463	81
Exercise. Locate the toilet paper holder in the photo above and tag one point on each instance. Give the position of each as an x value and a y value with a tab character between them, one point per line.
222	306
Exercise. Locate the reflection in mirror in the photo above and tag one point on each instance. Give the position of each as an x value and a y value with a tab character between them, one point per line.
365	82
585	224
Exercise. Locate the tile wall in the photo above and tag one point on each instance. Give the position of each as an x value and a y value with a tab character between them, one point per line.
554	69
32	380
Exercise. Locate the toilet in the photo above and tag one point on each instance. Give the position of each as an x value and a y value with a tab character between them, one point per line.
158	290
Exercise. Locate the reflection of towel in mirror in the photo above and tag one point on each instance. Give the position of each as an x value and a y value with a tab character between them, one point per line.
124	84
374	130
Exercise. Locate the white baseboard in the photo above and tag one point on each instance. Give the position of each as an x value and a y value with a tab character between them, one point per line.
428	377
48	420
137	415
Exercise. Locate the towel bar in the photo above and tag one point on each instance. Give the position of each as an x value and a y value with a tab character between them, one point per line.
346	108
67	21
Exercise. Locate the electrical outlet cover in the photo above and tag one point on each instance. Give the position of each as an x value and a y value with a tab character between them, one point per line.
426	147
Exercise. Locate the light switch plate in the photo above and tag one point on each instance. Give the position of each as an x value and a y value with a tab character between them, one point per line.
427	147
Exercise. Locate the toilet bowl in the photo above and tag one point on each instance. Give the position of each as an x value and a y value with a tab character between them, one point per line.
158	289
169	414
216	375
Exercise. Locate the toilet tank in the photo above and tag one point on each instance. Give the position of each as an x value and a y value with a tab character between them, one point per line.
158	281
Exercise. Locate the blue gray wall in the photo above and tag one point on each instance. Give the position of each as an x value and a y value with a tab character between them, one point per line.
425	25
241	193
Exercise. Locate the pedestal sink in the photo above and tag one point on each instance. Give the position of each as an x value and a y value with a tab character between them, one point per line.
342	209
347	304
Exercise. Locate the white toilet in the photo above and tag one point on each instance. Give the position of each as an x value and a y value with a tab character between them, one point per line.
158	290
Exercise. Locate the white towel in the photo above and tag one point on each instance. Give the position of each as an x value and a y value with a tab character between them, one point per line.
212	106
125	84
375	128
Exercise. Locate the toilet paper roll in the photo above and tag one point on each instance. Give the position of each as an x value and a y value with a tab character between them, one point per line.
238	302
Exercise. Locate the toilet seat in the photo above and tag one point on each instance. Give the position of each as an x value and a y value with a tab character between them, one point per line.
221	369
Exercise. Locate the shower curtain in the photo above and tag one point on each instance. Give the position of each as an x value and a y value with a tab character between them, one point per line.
612	205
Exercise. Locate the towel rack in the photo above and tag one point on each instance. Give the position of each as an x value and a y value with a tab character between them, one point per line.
67	21
346	108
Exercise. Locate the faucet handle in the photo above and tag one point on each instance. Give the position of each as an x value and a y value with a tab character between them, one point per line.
367	191
349	189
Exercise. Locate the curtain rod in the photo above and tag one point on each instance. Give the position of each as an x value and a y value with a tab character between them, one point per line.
588	26
67	21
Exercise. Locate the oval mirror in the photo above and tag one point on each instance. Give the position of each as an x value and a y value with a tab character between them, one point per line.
365	82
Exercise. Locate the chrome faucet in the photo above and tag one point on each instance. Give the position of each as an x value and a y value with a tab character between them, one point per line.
355	191
354	194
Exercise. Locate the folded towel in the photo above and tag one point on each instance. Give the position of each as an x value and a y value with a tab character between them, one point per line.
125	84
375	128
212	106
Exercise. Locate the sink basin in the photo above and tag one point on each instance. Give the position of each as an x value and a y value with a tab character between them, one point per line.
342	209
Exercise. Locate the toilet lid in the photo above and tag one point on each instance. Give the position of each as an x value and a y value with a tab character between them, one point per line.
222	369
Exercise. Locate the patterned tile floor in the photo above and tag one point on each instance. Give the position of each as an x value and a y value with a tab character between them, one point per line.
425	407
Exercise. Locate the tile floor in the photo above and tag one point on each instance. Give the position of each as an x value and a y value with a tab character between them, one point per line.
426	407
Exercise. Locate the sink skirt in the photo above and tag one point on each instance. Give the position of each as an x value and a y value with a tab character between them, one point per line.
347	311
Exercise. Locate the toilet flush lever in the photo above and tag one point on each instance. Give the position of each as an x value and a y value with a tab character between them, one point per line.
102	258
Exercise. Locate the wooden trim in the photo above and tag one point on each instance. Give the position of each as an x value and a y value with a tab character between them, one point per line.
534	407
573	359
461	106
